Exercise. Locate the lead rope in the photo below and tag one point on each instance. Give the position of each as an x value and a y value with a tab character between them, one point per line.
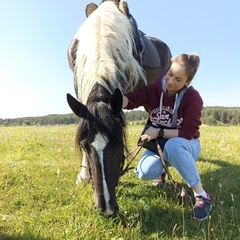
182	191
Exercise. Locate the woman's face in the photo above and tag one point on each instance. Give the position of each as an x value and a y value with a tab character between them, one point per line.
176	78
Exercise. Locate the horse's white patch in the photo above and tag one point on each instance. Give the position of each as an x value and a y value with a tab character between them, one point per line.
99	144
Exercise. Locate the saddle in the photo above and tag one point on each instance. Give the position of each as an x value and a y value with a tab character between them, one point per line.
150	56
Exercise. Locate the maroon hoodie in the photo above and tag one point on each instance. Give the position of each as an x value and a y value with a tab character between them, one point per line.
161	106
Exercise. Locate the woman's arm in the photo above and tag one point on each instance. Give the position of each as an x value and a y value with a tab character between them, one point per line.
152	133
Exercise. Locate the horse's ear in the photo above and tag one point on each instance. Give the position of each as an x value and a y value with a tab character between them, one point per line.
116	101
78	108
71	53
123	7
90	8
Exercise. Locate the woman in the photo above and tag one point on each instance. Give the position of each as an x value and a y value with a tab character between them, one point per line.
182	148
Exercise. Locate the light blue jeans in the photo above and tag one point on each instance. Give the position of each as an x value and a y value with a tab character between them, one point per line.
179	153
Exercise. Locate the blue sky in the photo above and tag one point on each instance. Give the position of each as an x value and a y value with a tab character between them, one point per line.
35	35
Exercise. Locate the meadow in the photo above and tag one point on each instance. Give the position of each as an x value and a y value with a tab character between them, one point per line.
40	201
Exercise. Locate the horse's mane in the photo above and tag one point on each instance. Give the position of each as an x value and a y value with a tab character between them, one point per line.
105	53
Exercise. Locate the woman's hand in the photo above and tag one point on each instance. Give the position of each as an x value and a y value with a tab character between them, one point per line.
125	102
150	134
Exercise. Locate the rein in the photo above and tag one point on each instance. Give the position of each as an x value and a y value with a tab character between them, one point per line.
127	168
182	191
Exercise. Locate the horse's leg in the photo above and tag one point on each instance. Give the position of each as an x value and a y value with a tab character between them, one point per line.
84	175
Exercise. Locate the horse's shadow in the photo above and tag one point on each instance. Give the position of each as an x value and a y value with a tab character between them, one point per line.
164	217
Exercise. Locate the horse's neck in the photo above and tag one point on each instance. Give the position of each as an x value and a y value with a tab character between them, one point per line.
98	94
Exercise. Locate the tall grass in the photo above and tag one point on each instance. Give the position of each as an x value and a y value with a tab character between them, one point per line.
39	198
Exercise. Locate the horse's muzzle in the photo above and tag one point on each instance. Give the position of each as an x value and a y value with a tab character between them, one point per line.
110	210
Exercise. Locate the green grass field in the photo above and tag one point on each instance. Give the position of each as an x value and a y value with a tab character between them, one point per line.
39	198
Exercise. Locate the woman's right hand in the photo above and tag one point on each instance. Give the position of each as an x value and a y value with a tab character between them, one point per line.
125	102
150	133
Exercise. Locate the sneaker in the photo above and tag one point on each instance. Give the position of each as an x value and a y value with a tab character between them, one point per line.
202	208
160	182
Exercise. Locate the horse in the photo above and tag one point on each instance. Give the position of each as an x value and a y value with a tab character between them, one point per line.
107	59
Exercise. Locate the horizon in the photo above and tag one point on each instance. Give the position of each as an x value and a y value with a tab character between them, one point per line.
125	110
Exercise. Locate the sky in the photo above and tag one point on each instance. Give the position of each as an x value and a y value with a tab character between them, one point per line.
35	35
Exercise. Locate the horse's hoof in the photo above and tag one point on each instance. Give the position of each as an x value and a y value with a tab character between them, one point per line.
79	180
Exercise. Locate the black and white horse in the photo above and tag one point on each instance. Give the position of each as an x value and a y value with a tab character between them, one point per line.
106	59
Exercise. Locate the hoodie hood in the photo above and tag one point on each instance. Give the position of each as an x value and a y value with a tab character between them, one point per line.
178	98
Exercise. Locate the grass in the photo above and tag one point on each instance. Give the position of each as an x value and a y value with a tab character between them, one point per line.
39	198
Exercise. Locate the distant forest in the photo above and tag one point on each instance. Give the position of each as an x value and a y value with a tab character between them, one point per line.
215	116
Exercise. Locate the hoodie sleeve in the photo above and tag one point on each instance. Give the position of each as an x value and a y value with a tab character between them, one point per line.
139	98
192	107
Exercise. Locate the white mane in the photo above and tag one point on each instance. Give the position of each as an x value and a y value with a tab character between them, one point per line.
105	51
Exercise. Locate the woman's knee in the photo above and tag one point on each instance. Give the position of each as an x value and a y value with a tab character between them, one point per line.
174	143
176	147
149	166
172	147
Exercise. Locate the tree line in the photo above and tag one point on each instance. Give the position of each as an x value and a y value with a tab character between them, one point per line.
214	116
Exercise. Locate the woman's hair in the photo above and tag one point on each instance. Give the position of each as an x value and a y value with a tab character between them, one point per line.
190	62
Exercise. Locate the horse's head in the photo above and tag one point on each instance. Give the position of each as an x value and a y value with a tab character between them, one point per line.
100	135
